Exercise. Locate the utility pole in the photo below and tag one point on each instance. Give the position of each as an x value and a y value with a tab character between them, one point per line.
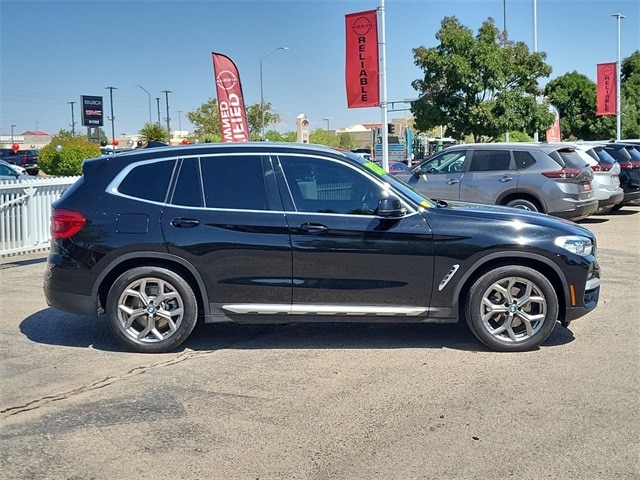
158	105
113	119
166	96
73	122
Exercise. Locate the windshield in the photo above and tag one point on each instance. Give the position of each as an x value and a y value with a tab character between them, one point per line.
395	182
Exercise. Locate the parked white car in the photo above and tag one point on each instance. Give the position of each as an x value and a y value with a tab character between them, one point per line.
9	171
606	180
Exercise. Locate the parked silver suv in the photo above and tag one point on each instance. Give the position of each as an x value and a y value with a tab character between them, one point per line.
543	177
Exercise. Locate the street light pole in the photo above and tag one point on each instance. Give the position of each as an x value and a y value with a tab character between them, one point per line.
327	120
166	96
619	17
149	97
261	87
12	127
113	130
73	122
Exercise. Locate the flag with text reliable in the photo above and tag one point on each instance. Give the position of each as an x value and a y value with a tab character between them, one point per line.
233	116
362	64
606	89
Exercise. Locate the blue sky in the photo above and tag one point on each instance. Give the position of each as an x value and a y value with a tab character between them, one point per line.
52	52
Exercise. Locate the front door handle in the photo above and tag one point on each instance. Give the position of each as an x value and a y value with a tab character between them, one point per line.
452	181
185	222
313	228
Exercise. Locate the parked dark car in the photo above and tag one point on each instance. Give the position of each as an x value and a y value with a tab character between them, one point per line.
158	237
541	177
629	159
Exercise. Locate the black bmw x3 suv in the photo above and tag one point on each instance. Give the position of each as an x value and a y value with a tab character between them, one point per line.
275	233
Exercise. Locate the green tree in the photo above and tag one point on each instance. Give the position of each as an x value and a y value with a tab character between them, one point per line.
154	132
630	93
254	119
574	95
65	154
480	86
206	120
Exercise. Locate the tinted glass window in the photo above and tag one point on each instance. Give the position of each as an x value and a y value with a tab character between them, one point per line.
488	160
4	170
572	159
603	155
323	186
619	154
188	191
149	181
446	162
234	181
523	160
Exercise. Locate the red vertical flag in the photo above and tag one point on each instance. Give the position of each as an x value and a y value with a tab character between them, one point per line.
607	89
362	64
553	133
233	117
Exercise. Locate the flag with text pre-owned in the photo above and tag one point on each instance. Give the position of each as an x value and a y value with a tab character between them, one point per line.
362	64
233	116
607	87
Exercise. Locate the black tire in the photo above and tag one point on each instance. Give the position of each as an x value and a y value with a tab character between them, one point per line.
512	309
524	204
151	309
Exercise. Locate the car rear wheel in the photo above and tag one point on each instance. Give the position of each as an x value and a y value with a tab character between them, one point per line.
524	204
151	309
512	309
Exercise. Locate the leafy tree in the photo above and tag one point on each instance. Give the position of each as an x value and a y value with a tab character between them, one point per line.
480	86
574	95
630	93
154	132
254	119
206	120
65	154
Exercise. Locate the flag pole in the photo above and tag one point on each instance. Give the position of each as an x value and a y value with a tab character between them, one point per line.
383	87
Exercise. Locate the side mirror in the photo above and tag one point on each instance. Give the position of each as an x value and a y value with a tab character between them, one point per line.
390	207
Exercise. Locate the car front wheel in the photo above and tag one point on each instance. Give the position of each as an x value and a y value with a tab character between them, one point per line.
512	309
151	309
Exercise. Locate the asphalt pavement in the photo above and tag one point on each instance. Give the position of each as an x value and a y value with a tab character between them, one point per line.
323	401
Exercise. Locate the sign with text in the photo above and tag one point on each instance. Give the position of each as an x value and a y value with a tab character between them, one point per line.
233	117
606	89
92	112
362	64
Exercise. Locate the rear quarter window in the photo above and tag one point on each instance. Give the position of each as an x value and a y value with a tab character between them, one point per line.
148	181
523	160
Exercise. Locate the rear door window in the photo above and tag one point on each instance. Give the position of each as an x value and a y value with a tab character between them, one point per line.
490	160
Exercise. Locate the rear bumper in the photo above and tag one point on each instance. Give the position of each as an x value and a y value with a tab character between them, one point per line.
579	210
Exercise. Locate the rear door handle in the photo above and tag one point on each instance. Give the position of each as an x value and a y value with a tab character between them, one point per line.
452	181
506	178
313	228
185	222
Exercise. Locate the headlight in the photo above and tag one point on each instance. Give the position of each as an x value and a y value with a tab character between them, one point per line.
575	244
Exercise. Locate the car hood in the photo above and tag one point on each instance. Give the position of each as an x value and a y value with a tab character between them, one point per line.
493	215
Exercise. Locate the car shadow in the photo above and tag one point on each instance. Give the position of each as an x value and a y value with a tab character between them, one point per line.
53	327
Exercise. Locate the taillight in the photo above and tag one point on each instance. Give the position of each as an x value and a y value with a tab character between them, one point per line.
66	223
564	173
624	165
602	167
